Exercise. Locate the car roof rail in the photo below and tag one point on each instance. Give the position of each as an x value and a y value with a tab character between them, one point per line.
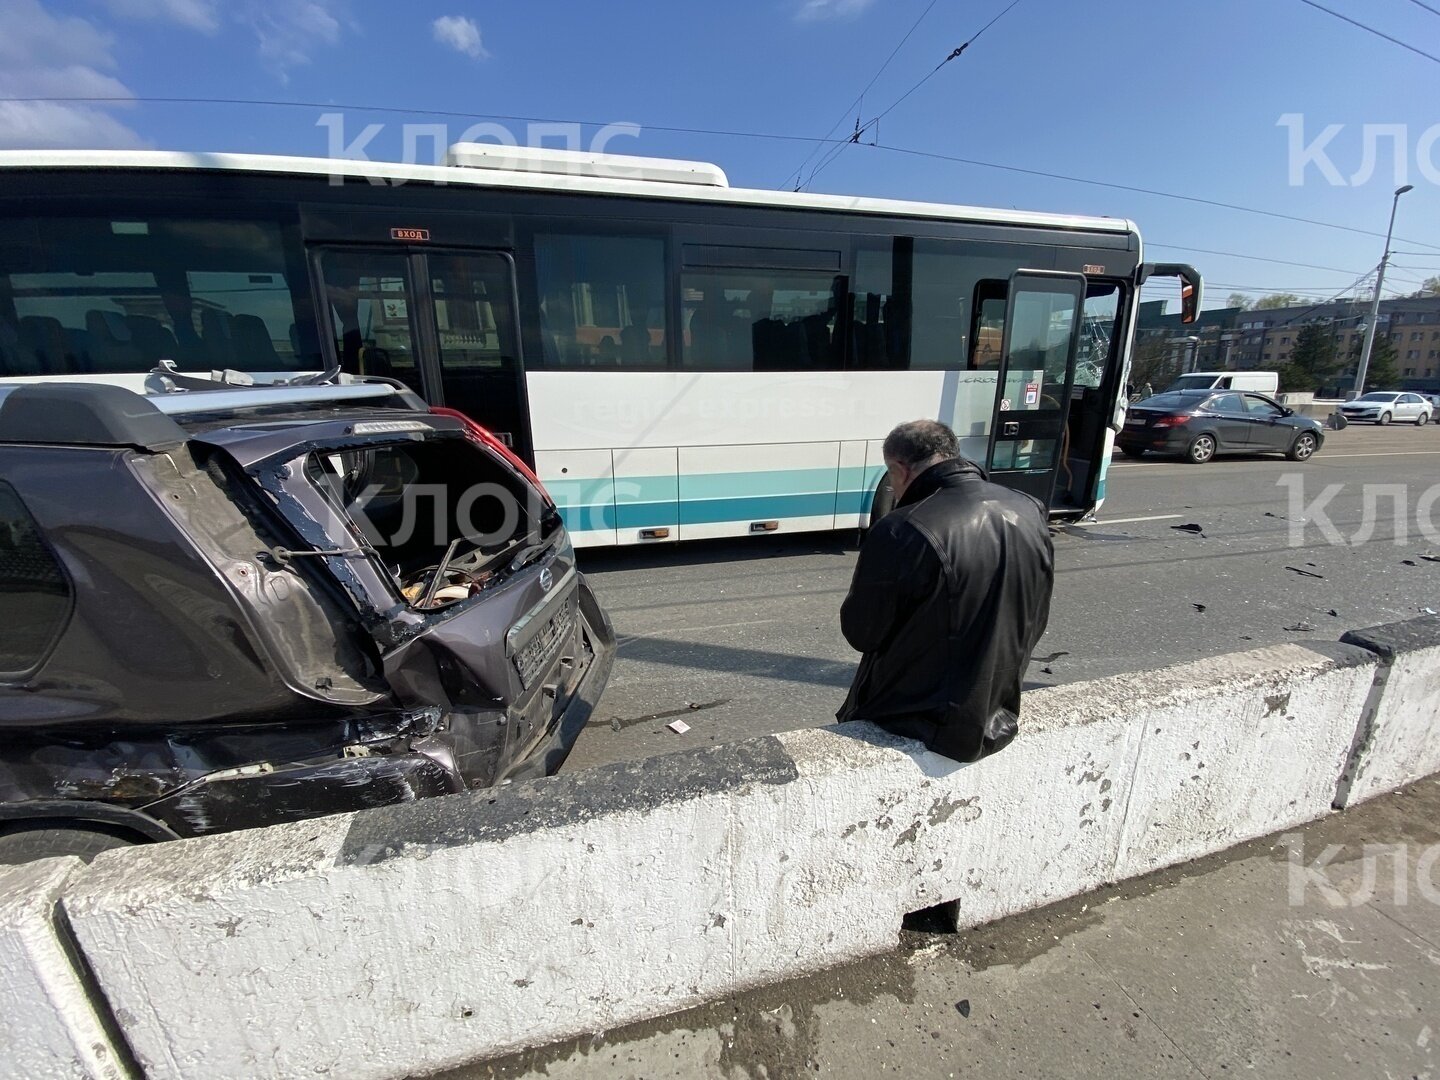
84	414
233	398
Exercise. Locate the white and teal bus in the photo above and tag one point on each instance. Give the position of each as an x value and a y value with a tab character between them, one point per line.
676	358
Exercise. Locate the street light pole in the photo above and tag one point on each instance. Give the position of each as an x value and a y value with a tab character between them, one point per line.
1363	369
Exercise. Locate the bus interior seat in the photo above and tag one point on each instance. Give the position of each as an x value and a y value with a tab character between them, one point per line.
153	338
635	344
113	345
253	345
218	338
48	348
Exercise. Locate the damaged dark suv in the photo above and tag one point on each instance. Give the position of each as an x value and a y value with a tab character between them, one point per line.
225	608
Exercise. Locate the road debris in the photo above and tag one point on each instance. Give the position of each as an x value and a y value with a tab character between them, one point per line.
1430	558
1334	614
1199	607
679	727
963	1007
1427	611
1190	528
1300	628
1305	573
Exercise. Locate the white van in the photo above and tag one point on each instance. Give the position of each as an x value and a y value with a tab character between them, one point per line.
1262	382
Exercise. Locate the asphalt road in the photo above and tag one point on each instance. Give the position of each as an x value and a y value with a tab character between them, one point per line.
742	638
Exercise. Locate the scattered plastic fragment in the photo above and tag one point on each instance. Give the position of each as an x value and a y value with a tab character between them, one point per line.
615	723
963	1007
1334	614
1305	573
1407	562
1047	670
1431	558
1190	528
679	727
1300	628
1427	611
1198	607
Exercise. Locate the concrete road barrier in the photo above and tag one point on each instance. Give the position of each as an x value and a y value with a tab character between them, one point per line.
408	939
1398	738
1239	746
49	1026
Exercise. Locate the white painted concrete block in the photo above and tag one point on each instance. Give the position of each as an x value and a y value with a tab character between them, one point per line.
1399	741
414	938
1239	746
49	1030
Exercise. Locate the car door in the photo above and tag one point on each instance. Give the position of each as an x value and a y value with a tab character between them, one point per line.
1411	406
1226	414
1268	427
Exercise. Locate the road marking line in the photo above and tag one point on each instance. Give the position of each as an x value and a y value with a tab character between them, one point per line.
1132	521
625	639
1388	453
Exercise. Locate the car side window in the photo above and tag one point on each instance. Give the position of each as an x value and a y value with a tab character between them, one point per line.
1260	408
36	589
1226	404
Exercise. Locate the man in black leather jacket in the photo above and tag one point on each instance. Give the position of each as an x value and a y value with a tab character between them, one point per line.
950	596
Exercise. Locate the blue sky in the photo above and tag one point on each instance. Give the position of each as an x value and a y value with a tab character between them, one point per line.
1182	98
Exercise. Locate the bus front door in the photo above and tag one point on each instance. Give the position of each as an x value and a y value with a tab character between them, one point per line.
1037	371
441	320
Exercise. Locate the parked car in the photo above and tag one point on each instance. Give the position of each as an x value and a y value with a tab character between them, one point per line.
1385	406
229	608
1262	382
1198	424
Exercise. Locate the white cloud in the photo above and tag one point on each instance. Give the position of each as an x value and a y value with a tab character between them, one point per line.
43	55
816	10
460	34
202	15
289	32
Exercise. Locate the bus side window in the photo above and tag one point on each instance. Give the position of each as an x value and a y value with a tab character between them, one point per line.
763	320
880	320
602	301
119	294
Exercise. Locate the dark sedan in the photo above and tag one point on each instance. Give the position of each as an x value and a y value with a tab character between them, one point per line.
1198	424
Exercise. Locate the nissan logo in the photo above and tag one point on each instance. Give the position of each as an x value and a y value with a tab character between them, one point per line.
546	580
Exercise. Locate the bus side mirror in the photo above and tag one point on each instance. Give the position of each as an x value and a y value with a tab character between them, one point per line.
1192	289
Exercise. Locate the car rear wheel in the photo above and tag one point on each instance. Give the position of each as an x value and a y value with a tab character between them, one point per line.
1385	418
1303	447
1422	419
1202	449
27	845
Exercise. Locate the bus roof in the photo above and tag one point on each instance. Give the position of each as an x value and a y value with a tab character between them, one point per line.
645	177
